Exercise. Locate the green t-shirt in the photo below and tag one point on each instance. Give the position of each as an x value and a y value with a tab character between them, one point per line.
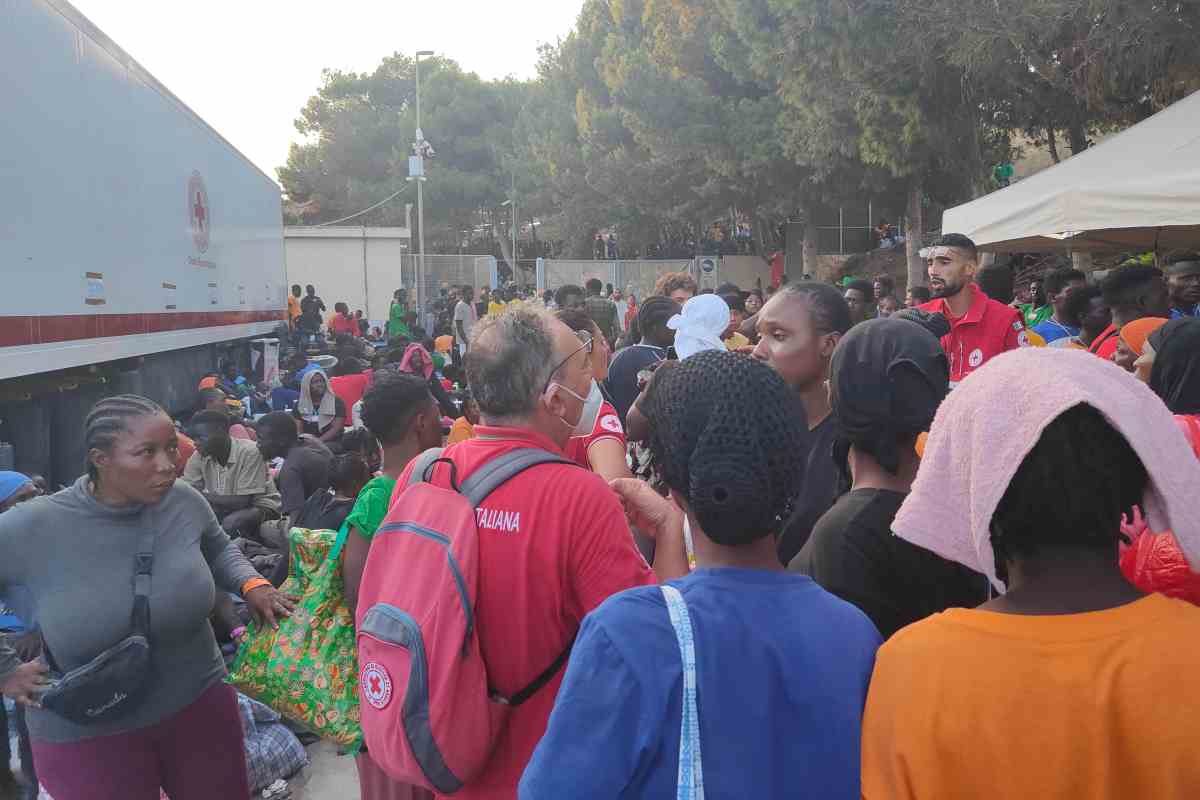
1036	316
372	505
396	325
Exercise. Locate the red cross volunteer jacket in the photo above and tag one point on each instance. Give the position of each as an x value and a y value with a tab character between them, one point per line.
987	329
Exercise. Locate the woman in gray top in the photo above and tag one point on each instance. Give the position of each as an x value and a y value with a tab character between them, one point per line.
74	551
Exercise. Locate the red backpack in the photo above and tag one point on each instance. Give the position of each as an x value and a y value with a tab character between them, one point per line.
429	716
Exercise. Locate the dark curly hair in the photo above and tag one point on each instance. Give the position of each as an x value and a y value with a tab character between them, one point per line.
388	407
731	438
1071	489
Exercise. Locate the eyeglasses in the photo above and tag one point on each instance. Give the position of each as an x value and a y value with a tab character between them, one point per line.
588	344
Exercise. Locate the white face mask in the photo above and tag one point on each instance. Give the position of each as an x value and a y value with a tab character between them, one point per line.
590	412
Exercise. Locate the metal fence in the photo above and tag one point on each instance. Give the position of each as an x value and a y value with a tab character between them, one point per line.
636	276
443	271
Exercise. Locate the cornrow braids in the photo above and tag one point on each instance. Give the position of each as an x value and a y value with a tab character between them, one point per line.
732	438
108	419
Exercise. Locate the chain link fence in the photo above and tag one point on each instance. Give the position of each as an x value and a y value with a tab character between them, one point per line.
442	271
637	276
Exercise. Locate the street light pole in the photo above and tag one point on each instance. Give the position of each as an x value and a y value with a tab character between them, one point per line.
419	147
516	224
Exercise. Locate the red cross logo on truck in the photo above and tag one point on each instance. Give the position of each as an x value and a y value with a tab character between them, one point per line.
199	215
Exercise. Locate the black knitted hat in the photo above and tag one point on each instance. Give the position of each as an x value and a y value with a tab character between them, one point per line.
732	439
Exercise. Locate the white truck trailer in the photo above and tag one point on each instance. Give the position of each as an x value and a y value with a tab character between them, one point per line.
137	246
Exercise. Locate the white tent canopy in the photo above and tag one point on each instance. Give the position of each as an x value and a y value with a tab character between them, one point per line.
1139	190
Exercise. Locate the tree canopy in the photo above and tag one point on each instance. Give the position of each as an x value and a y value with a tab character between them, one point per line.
653	118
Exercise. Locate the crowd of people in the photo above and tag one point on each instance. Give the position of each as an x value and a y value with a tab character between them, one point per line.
810	541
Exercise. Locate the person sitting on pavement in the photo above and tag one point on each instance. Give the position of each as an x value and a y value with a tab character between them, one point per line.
553	541
319	412
328	508
215	399
732	441
231	475
306	460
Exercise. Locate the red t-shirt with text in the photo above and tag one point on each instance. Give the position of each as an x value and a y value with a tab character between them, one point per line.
553	545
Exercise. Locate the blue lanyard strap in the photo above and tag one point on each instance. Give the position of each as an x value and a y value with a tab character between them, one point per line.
691	770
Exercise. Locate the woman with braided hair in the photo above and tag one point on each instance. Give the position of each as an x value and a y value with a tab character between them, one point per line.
778	666
77	552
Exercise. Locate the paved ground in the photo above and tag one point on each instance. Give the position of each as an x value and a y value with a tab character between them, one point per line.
328	776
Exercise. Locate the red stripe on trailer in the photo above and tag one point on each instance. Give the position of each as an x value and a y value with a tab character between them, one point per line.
18	331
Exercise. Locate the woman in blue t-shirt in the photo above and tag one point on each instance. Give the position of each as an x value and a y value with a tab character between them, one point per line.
781	666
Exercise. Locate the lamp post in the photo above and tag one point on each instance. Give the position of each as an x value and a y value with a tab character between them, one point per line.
416	171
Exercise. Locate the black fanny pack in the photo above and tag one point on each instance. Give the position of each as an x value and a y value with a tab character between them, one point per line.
110	685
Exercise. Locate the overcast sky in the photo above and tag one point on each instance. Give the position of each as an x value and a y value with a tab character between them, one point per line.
248	66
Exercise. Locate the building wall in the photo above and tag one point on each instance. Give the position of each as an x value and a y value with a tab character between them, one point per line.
358	266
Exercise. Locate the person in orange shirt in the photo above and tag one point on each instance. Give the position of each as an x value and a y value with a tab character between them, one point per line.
464	427
293	308
1073	683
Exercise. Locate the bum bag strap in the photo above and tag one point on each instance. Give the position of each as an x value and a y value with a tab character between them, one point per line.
143	567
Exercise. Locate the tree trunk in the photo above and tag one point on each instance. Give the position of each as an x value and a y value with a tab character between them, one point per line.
810	245
916	228
1052	140
1077	138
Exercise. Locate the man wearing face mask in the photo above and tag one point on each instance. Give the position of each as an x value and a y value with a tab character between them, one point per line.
553	541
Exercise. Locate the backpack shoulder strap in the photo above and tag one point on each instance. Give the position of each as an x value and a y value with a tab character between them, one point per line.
422	463
492	475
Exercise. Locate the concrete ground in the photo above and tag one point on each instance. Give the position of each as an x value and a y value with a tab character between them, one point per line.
328	776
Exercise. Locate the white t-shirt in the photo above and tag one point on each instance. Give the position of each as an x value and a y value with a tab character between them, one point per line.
465	313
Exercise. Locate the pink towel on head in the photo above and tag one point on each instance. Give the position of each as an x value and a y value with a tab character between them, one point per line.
991	421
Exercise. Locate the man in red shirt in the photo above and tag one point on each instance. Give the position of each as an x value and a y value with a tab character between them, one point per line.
980	328
553	541
1132	292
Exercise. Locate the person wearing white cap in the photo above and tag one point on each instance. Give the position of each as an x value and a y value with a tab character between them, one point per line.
700	325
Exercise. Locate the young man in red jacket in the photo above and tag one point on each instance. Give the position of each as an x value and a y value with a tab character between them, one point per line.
980	328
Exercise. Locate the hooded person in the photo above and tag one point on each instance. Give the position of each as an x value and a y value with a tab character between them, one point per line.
888	378
322	416
700	325
1086	685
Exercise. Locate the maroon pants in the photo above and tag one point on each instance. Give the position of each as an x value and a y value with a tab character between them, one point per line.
197	754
